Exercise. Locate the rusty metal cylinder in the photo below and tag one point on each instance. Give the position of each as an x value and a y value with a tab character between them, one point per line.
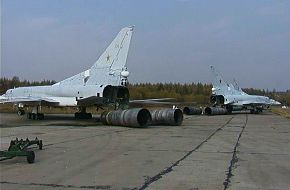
136	117
192	111
215	111
166	117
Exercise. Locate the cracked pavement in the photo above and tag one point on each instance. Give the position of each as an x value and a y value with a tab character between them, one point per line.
239	151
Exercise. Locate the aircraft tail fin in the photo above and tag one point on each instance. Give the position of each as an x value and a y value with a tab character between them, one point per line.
220	86
112	62
107	69
236	85
217	80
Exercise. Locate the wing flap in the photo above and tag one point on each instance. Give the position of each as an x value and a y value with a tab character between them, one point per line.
161	101
89	101
31	101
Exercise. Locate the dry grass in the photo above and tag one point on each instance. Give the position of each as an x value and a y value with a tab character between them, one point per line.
282	112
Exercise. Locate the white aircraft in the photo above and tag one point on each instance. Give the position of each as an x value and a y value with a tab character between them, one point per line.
104	84
233	98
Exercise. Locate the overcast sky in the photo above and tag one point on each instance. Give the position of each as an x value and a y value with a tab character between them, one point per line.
173	41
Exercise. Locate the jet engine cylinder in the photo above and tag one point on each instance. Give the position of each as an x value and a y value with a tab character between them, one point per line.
136	117
192	111
166	117
215	111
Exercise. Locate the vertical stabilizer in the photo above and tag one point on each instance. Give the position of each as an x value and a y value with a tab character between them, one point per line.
218	82
237	88
220	86
108	68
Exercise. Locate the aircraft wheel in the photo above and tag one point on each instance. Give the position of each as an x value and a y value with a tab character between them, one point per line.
30	157
21	112
29	115
40	116
40	145
89	116
81	115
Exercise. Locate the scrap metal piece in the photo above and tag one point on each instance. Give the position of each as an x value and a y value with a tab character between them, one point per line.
166	117
136	117
192	111
215	111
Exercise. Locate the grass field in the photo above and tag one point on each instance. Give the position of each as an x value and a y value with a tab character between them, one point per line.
283	112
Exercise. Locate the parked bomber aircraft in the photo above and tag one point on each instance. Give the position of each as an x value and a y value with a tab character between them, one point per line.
104	84
233	98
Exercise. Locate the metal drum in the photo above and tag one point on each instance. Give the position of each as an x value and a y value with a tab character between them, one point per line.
166	117
192	111
215	111
136	117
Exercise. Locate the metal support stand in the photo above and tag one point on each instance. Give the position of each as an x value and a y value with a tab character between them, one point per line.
19	148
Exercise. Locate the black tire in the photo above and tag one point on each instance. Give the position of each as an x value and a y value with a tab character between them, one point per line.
28	115
40	145
30	157
89	116
40	116
21	112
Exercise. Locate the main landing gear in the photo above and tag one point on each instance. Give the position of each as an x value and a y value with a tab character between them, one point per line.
35	115
21	112
82	114
256	110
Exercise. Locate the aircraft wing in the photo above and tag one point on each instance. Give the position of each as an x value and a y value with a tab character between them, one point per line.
30	101
89	101
254	104
153	101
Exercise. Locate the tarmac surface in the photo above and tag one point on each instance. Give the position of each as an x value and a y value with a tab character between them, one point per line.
240	151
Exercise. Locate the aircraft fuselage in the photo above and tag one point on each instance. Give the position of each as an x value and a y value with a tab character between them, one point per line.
70	95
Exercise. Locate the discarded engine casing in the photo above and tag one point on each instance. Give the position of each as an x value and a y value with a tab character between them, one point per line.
166	117
215	111
136	117
192	111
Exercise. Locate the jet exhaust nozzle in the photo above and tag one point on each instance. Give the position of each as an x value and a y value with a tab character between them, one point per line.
192	111
169	116
136	117
215	111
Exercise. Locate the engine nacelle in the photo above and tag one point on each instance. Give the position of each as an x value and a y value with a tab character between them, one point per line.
217	99
116	94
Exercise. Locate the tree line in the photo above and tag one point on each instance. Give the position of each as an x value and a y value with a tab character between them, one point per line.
193	92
